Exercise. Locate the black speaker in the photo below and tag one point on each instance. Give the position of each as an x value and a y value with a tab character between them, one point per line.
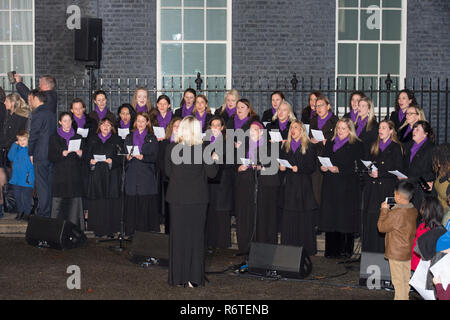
150	247
88	41
374	265
270	260
54	233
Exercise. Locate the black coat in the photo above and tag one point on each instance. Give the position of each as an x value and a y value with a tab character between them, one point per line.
275	126
401	135
179	112
67	178
43	126
246	126
224	115
208	118
94	116
340	208
51	96
327	130
369	136
90	124
297	186
10	125
140	178
267	115
306	115
188	182
394	119
104	181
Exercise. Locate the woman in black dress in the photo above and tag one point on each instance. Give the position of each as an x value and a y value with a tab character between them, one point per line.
413	114
340	208
300	207
418	160
355	97
310	110
187	104
125	120
405	98
366	124
282	119
163	112
80	119
141	102
277	98
386	154
188	199
244	116
101	110
141	189
104	201
258	152
228	108
201	111
67	179
221	200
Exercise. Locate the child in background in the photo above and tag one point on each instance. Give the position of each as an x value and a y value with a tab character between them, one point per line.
399	224
22	178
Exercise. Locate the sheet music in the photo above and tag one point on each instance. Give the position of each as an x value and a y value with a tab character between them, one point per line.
284	163
83	132
160	133
246	162
99	158
442	269
307	126
318	135
368	165
419	280
275	136
398	174
326	162
74	145
135	150
123	132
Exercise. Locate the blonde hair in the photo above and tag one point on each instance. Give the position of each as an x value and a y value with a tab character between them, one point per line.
304	137
353	137
371	121
189	132
148	102
375	149
17	102
419	111
207	110
291	117
232	92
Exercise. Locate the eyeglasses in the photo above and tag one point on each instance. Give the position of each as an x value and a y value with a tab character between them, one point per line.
412	113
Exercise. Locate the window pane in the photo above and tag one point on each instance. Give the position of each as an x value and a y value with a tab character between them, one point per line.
216	61
194	3
216	3
194	25
347	58
23	59
170	24
22	4
390	59
368	58
171	59
193	59
347	84
368	3
369	85
4	26
217	24
215	86
348	25
5	59
392	3
189	82
348	3
21	26
370	24
170	3
392	25
4	4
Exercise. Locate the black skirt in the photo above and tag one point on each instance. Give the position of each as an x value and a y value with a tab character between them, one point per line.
218	228
141	214
187	244
70	209
297	229
104	216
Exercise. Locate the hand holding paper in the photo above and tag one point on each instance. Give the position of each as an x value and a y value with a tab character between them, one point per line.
398	174
123	132
99	158
318	135
369	165
160	133
74	145
275	136
284	163
326	162
134	151
83	132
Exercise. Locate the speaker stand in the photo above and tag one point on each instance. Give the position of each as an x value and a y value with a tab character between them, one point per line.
92	82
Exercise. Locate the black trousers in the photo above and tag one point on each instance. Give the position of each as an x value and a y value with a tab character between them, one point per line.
43	171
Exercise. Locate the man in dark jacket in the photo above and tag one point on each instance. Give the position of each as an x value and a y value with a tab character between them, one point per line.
47	84
43	125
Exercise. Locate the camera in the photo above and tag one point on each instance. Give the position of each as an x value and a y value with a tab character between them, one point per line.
11	78
390	201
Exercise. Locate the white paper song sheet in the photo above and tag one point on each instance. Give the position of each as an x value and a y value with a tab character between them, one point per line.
246	162
135	150
123	132
284	163
83	132
74	145
99	158
419	280
265	124
318	135
442	269
368	165
326	162
398	174
307	128
275	136
160	133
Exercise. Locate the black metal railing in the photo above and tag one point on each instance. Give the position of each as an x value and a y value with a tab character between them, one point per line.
432	94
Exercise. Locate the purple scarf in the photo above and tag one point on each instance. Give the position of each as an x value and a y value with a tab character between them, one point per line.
361	124
185	111
141	109
283	125
164	122
353	115
125	126
295	144
80	121
101	114
230	112
213	138
253	146
321	122
104	138
66	135
338	143
312	114
139	138
201	118
401	115
238	123
384	145
416	146
407	131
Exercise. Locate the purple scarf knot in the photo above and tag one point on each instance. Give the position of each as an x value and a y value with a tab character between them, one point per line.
338	143
141	108
283	125
66	135
185	111
201	118
253	146
361	124
101	114
238	123
353	115
295	144
416	146
401	115
123	125
407	131
80	121
384	145
321	122
104	139
230	112
139	138
164	122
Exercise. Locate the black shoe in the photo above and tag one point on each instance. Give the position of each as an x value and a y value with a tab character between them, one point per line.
19	216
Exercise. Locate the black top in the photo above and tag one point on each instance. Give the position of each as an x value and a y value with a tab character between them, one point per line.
43	126
51	96
394	119
90	124
10	125
109	115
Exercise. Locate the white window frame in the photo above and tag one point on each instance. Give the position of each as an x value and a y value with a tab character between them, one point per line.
18	43
402	43
227	42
